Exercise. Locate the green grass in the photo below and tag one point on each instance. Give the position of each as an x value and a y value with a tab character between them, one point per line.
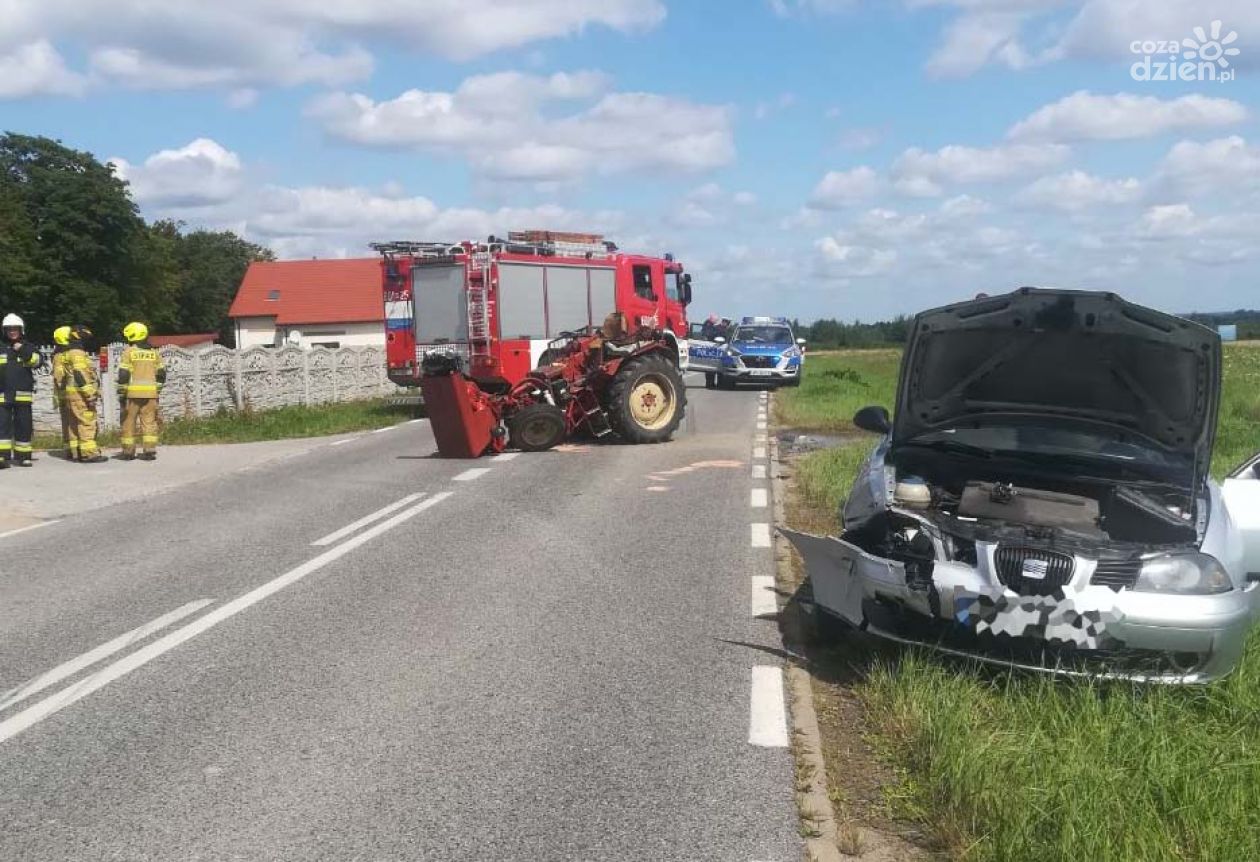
249	426
1022	767
837	385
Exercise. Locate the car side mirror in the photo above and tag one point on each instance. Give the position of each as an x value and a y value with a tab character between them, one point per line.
717	339
874	418
800	342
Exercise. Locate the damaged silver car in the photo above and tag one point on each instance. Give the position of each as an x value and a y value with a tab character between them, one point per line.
1041	496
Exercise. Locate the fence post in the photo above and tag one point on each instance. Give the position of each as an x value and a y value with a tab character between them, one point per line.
333	365
196	383
239	372
306	377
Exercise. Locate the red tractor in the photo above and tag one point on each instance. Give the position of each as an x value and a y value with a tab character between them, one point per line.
601	382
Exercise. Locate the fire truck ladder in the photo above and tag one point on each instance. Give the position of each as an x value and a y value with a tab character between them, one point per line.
477	289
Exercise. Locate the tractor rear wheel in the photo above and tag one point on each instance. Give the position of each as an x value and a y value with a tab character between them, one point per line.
646	400
536	427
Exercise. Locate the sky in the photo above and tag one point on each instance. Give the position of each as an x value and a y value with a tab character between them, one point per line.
854	159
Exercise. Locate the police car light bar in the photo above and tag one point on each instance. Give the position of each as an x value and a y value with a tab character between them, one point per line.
747	321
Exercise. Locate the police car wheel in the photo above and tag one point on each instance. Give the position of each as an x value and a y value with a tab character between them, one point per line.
710	380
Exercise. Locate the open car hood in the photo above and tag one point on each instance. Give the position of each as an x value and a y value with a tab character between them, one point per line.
1064	356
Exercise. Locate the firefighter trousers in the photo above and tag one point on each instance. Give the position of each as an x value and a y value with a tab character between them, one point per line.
69	443
141	415
15	431
82	428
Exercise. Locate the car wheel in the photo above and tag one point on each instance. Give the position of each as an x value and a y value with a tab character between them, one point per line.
710	380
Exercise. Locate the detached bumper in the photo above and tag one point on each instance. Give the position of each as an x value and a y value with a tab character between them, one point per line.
1082	629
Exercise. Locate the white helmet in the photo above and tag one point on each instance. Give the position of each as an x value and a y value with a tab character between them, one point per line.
12	320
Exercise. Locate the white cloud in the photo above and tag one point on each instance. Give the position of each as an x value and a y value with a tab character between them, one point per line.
511	139
36	69
1076	190
921	173
1104	29
842	260
1087	116
965	207
763	110
744	199
790	8
842	188
1226	165
259	43
199	174
860	139
1169	221
975	40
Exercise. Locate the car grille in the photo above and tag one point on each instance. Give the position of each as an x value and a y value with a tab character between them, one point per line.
1116	574
760	361
1015	568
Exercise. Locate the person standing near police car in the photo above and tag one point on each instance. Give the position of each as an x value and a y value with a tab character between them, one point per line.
141	374
18	361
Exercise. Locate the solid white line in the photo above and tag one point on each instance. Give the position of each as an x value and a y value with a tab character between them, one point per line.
32	715
764	601
383	430
365	520
760	535
91	657
506	456
759	498
759	471
344	442
31	527
759	451
767	716
469	475
413	421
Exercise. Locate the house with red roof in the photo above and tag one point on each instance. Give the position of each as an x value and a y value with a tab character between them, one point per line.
310	303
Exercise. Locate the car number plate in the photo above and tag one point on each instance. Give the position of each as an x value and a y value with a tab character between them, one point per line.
761	372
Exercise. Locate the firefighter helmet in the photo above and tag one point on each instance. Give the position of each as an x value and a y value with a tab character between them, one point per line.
61	336
80	332
12	321
135	331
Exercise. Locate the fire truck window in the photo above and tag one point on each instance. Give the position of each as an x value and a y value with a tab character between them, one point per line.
671	287
643	282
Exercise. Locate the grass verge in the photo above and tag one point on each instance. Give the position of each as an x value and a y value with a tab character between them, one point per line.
250	426
1019	767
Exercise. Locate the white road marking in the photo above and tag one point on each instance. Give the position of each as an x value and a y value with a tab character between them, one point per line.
759	452
761	426
383	430
31	527
759	498
759	471
760	438
760	535
32	715
413	421
92	656
365	520
767	715
764	601
656	488
345	441
506	456
469	475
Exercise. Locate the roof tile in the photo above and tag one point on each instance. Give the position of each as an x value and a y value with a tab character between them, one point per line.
312	291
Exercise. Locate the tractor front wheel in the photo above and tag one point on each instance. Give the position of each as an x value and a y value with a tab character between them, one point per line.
536	427
646	400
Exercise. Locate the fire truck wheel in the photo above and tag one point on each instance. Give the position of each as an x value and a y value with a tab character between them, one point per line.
536	427
646	400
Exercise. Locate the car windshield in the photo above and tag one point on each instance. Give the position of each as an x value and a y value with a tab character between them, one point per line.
763	334
1050	441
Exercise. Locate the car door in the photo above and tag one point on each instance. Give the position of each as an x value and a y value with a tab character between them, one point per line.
1241	490
706	354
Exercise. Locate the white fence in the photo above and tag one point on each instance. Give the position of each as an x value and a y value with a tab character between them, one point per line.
199	383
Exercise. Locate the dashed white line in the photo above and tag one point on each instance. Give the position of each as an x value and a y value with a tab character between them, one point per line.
469	475
759	452
767	715
30	527
764	601
759	498
761	426
760	438
506	456
32	715
92	656
759	471
760	534
365	520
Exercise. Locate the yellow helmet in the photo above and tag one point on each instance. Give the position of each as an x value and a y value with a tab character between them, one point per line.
61	336
135	331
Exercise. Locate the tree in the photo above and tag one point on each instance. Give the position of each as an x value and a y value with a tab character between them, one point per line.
211	266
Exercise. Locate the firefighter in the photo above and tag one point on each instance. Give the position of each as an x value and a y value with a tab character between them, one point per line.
82	395
18	361
61	344
141	375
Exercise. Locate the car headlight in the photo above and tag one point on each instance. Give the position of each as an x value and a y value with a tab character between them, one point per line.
1183	574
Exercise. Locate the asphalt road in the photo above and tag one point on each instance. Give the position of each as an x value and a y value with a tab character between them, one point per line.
545	657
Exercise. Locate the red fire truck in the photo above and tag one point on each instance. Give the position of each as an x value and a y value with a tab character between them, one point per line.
499	303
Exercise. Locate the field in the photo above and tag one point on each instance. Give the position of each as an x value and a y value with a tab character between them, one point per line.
1021	767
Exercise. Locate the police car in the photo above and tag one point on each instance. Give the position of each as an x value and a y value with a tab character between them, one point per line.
755	350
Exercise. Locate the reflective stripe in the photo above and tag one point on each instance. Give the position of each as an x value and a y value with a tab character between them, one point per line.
148	438
24	448
23	398
127	441
142	388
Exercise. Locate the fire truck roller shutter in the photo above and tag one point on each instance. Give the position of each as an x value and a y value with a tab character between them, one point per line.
603	294
568	302
441	307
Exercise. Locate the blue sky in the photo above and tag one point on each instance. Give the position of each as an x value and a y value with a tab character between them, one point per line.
816	158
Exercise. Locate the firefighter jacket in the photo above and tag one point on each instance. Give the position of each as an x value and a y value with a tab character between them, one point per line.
141	372
74	371
59	374
17	373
